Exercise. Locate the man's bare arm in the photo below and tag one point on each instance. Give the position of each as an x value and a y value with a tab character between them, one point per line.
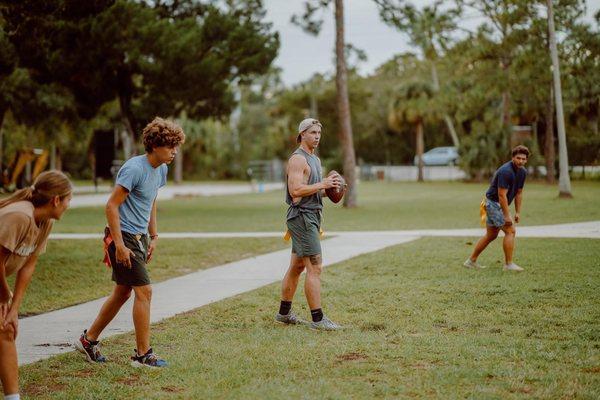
503	200
296	184
518	201
153	231
117	198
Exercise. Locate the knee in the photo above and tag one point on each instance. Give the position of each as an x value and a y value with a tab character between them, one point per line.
315	266
123	295
510	231
298	267
143	293
492	236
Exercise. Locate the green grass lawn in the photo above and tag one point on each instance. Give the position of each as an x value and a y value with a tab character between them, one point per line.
418	326
71	271
383	206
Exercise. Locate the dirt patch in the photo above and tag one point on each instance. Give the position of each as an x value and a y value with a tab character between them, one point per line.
172	389
353	356
36	389
542	290
592	370
373	327
129	380
86	373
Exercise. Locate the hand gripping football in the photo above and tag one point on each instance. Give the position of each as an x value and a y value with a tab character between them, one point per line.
336	194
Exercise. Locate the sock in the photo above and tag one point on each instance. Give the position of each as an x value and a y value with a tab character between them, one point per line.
92	342
15	396
285	307
317	315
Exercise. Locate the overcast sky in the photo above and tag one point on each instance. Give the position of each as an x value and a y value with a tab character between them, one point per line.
301	55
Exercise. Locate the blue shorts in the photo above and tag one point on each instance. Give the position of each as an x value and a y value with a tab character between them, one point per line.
495	216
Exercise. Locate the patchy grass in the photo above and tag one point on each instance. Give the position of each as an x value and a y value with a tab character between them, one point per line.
382	206
72	272
418	326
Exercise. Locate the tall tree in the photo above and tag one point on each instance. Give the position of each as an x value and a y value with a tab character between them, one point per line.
42	107
413	106
581	49
430	29
160	57
7	65
313	26
504	29
564	181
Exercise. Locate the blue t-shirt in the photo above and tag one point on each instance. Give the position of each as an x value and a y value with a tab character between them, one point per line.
142	181
507	177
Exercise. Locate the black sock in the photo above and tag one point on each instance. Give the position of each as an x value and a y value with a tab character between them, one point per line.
285	307
317	315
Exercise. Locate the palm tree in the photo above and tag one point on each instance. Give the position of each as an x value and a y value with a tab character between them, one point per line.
564	182
430	30
413	106
312	26
343	107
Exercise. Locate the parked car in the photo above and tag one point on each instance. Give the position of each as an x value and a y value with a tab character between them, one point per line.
439	156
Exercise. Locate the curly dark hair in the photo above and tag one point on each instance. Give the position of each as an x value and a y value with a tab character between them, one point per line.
520	149
162	132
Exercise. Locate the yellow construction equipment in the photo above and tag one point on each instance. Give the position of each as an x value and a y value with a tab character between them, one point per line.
14	176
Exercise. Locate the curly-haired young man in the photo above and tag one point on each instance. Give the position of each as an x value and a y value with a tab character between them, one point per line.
131	238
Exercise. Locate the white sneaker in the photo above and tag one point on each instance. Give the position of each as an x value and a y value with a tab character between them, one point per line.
512	267
325	325
472	264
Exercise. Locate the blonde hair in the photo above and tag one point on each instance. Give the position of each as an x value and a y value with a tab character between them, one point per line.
46	186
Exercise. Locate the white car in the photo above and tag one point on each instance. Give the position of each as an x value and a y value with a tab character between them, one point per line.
439	156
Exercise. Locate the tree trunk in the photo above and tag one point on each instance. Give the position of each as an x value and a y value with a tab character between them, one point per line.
2	113
549	150
127	144
564	181
447	119
128	122
178	174
343	108
125	93
506	116
420	144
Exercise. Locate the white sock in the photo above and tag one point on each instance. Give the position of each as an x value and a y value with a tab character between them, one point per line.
12	396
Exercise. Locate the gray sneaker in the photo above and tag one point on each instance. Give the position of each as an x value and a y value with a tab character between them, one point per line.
513	267
325	325
472	264
290	319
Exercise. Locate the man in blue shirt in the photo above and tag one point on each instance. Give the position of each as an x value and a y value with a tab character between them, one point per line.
131	238
507	184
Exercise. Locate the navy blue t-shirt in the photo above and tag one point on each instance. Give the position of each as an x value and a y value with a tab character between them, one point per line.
507	177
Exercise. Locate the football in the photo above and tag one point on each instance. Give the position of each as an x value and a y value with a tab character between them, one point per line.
336	194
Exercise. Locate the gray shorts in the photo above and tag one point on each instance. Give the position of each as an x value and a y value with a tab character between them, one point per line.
495	216
304	228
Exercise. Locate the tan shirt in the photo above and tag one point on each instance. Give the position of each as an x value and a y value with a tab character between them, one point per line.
20	235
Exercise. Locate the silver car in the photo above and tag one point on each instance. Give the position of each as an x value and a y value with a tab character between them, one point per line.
439	156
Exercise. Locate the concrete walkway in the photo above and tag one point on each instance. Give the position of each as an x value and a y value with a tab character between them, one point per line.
171	191
573	230
49	334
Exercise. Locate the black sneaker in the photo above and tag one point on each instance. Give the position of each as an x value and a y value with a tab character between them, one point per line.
90	348
149	359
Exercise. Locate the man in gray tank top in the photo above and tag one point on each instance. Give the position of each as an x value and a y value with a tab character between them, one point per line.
304	193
